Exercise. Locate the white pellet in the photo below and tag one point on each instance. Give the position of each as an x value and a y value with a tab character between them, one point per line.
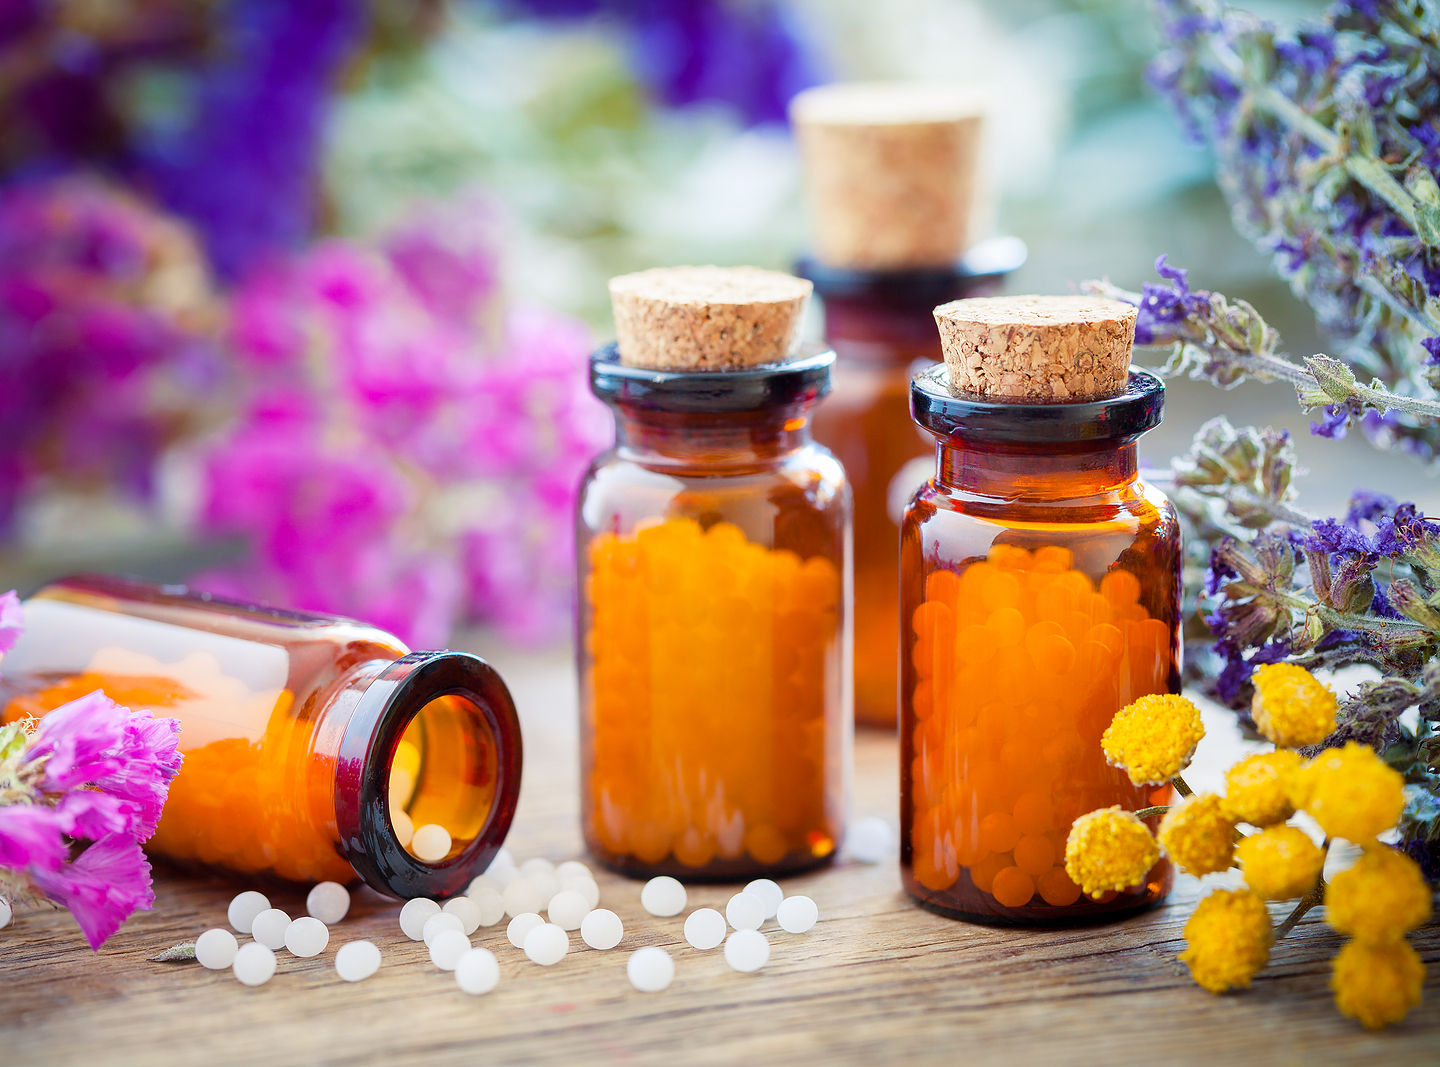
547	944
431	843
477	971
650	969
254	964
466	910
601	929
329	902
269	928
307	936
483	881
438	924
585	886
521	896
573	869
503	858
663	896
546	883
504	877
447	947
745	912
244	908
404	828
768	893
568	909
521	925
5	913
747	950
705	928
215	949
870	841
490	905
536	865
797	914
415	914
357	961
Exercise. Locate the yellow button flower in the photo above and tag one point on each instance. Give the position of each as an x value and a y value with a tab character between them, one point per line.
1280	863
1351	792
1198	835
1257	789
1377	984
1382	897
1153	738
1227	940
1290	707
1109	849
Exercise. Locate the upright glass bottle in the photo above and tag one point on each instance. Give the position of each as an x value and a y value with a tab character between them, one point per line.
312	744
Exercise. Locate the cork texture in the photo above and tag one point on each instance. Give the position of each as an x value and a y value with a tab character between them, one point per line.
890	172
707	318
1037	349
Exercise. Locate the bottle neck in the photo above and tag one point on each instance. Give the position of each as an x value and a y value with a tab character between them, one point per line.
711	440
1045	473
875	331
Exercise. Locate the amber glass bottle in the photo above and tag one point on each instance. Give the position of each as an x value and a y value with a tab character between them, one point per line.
714	635
311	744
1040	593
879	322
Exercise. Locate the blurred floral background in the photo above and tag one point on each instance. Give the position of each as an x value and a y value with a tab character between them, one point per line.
296	295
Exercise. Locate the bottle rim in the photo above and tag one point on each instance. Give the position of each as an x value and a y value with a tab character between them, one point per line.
802	380
921	287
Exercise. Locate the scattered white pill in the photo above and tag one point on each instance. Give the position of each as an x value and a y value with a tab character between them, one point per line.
269	928
870	841
329	902
536	865
745	912
585	886
447	947
521	925
747	950
357	961
568	909
768	893
466	910
244	908
521	896
477	971
503	858
5	913
573	869
602	929
797	914
438	924
546	883
650	969
254	964
705	928
547	944
483	881
307	936
431	843
503	876
490	905
215	949
404	828
415	914
663	896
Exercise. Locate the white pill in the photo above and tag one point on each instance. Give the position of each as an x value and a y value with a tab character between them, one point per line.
585	886
431	843
797	914
536	865
415	914
547	944
254	964
477	971
215	949
329	902
601	929
745	912
870	841
466	910
357	961
546	883
650	969
521	896
521	925
504	877
307	936
663	896
503	858
573	869
705	928
768	893
404	828
269	928
244	908
568	909
438	924
5	913
447	947
747	950
483	881
490	905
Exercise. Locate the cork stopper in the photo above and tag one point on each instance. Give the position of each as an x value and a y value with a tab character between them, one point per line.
889	172
1037	349
707	318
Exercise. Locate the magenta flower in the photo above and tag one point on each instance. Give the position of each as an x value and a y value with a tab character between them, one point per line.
10	620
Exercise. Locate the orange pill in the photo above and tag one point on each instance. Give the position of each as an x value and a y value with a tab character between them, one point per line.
1034	814
1006	626
1009	557
1012	887
1054	558
975	645
997	832
984	871
933	617
1034	854
1056	888
1120	587
999	590
943	587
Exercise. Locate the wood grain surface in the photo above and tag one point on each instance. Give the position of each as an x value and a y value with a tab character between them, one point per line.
876	982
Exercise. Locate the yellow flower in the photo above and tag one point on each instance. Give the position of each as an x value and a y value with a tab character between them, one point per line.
1280	863
1153	738
1109	849
1257	789
1227	940
1198	835
1377	984
1382	897
1290	707
1351	792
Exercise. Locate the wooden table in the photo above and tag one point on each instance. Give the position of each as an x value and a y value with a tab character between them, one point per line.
876	982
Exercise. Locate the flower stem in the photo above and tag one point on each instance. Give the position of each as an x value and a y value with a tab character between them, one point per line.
1181	786
1308	901
1152	811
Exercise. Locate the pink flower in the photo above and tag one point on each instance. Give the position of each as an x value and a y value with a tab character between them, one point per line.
102	887
10	620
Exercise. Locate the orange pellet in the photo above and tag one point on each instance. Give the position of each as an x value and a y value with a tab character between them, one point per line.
1034	813
1057	889
1012	887
983	871
997	832
1034	854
